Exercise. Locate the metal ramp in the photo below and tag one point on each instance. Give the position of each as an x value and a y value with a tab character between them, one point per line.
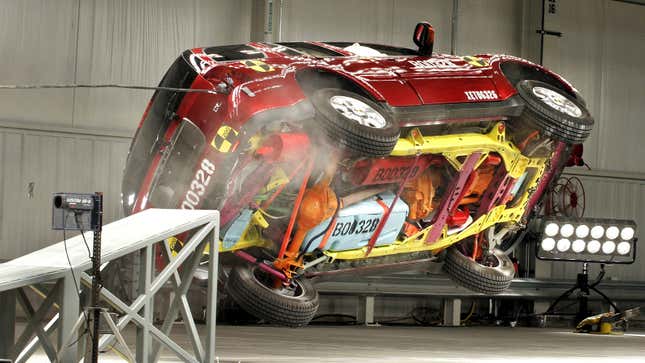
139	232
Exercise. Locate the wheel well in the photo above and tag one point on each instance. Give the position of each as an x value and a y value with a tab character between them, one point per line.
311	80
515	72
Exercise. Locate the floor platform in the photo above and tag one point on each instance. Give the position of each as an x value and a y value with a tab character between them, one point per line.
409	344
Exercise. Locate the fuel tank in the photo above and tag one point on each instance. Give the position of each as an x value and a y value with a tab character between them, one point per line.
356	224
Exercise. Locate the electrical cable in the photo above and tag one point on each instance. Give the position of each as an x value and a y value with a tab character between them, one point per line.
470	314
77	287
110	85
78	225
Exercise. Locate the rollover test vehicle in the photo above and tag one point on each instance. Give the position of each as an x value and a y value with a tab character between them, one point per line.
325	157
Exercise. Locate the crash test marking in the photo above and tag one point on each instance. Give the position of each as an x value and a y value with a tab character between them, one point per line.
476	61
258	66
224	139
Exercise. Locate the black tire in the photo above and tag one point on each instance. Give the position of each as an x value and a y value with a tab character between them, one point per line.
349	134
489	280
552	122
247	287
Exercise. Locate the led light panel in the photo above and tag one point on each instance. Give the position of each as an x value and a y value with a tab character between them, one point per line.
587	240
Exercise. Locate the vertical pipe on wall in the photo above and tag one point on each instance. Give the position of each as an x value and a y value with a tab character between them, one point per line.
279	20
542	32
454	22
268	21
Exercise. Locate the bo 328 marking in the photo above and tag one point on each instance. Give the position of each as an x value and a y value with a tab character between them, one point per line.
198	185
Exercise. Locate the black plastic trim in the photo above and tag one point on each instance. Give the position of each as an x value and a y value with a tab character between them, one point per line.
430	114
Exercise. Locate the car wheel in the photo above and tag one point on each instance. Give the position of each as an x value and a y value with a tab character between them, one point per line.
555	113
491	276
255	292
355	123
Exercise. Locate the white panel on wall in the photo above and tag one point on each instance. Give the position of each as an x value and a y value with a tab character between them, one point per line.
492	26
38	43
222	22
622	127
134	42
577	56
35	165
97	41
359	20
600	52
379	21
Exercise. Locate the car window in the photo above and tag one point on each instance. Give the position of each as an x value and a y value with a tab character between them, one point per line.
311	49
233	52
385	49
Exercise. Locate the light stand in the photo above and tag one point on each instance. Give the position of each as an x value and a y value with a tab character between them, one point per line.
96	276
86	211
582	284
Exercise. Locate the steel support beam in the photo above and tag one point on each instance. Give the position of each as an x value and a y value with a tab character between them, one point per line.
145	277
31	313
69	309
7	323
38	267
211	310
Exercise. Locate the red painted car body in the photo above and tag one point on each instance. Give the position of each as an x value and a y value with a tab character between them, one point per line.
325	158
259	81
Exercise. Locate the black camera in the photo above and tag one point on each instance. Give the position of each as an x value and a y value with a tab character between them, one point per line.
76	211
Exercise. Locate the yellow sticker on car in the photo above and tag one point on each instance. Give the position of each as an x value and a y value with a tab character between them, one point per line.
258	66
476	61
225	138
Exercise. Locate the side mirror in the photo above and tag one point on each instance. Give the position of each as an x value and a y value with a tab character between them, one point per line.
423	37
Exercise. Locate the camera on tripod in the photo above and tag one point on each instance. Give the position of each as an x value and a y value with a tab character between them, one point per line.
76	211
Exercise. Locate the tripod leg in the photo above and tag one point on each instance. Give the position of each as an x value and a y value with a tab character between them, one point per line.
560	298
606	298
118	336
63	348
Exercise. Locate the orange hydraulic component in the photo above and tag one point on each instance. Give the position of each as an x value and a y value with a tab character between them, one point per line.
477	251
318	204
410	229
418	194
481	180
297	203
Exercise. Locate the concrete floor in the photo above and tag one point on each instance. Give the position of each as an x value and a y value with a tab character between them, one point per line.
409	344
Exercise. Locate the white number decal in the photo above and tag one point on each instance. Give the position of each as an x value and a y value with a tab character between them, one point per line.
198	185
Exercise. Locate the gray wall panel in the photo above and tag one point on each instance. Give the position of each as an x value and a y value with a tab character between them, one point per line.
599	52
492	26
621	144
38	40
96	41
53	162
381	21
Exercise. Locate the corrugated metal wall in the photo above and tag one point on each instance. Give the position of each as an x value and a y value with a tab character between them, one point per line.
601	52
35	164
97	41
77	140
392	21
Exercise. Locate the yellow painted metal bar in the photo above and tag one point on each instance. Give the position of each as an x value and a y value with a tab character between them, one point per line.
455	146
452	147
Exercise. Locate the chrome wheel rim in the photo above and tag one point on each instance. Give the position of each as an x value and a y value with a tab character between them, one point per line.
557	101
358	111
